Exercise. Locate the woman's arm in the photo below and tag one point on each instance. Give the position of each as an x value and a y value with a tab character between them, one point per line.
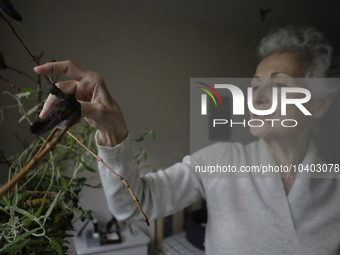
161	193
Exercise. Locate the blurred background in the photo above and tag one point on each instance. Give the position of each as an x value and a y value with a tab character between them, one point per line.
147	51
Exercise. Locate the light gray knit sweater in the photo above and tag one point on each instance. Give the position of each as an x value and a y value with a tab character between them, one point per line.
246	216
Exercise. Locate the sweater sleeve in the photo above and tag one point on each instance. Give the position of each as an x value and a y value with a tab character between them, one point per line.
160	194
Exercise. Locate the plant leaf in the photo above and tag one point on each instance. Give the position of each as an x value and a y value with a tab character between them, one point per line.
32	110
22	118
26	222
7	7
79	211
37	241
22	94
17	247
23	195
23	212
37	214
87	167
56	246
53	204
3	201
71	140
28	90
18	238
13	220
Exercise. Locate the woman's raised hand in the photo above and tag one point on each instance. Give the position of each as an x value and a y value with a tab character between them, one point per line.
98	107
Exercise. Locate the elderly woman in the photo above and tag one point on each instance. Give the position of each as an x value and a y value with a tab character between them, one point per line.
245	215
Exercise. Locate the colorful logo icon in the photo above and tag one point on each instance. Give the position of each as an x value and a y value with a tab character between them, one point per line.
208	92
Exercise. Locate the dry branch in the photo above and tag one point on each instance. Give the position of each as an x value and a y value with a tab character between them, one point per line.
38	192
22	43
135	199
22	73
10	83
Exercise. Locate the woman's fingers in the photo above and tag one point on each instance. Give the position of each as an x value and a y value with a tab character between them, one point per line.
50	101
92	110
84	82
69	68
68	87
98	107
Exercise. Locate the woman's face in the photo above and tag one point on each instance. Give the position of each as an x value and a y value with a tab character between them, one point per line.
277	70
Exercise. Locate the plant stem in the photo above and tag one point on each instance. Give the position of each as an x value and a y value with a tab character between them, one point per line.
22	43
22	73
85	184
50	136
40	180
39	78
121	178
10	83
38	192
49	146
20	106
15	33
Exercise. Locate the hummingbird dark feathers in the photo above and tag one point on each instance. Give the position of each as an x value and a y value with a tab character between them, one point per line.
67	111
54	90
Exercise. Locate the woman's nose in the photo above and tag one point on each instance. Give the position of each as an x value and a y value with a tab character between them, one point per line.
262	95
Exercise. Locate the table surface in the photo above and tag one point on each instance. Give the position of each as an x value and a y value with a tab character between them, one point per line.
137	238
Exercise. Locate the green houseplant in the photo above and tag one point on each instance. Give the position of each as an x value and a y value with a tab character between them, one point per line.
38	210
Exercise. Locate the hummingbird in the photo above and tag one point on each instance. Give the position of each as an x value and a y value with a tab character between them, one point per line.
66	111
7	7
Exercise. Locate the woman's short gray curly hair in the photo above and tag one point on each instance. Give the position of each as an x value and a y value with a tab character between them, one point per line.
313	47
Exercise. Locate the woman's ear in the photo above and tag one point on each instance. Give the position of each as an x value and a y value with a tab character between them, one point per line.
322	106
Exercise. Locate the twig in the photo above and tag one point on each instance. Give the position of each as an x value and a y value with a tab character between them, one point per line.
23	143
47	140
44	145
121	178
85	184
10	83
6	162
49	146
39	78
15	33
38	192
22	73
22	43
